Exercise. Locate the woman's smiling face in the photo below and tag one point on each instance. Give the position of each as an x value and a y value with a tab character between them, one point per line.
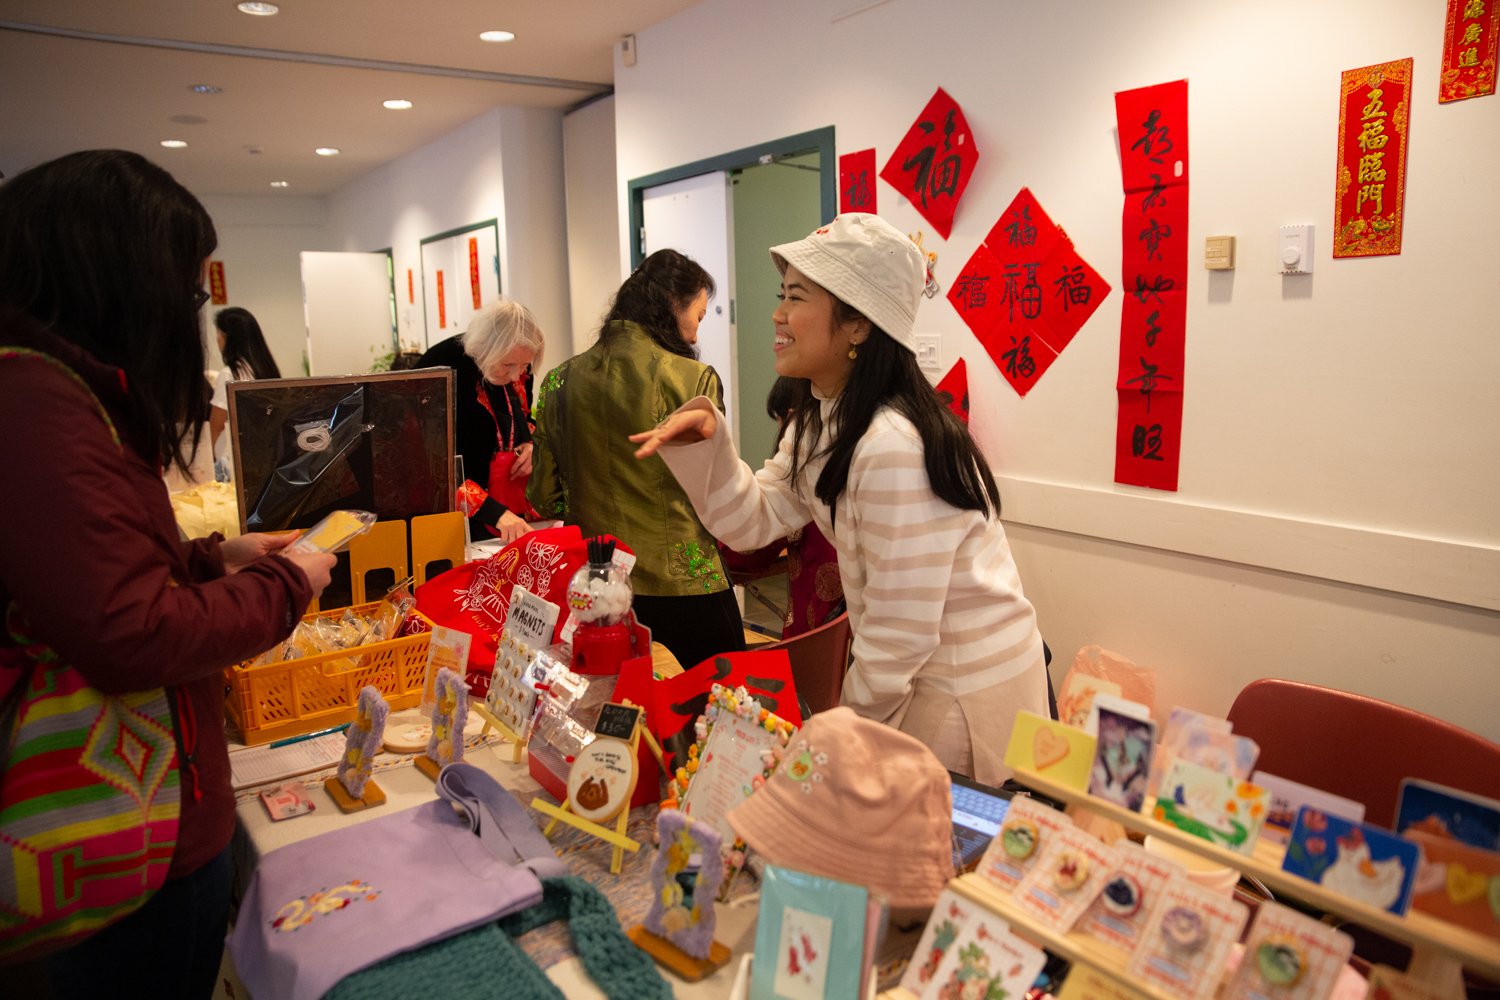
810	342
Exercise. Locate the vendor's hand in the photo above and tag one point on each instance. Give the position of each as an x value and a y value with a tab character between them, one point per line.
510	527
316	566
685	427
522	467
244	550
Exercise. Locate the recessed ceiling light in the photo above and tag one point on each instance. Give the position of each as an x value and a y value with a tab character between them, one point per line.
173	143
206	88
497	36
280	184
396	105
327	151
258	9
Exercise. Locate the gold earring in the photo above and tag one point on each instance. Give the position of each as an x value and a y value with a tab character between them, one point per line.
853	353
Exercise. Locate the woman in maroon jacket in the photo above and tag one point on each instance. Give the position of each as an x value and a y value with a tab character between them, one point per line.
102	258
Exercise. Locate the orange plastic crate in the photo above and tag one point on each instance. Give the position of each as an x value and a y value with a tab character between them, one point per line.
276	700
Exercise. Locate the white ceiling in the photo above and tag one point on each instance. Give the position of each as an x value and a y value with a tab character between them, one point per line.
83	74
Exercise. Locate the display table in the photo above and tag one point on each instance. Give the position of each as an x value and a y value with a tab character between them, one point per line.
405	787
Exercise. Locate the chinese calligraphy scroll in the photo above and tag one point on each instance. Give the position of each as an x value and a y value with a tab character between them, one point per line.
934	162
1469	47
1025	292
474	271
953	390
1152	124
857	182
1374	108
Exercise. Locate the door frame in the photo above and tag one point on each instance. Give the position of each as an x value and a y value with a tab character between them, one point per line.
820	140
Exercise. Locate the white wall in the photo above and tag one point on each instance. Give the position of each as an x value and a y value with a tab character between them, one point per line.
594	270
259	242
1340	472
504	165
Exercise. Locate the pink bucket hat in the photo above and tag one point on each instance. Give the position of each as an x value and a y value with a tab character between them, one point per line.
858	801
868	263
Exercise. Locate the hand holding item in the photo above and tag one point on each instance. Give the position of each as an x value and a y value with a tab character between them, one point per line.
244	550
522	468
685	426
316	566
510	527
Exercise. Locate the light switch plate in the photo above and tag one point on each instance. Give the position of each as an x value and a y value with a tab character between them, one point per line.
1218	253
929	352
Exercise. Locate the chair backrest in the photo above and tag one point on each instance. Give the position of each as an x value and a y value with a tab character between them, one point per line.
1359	747
819	659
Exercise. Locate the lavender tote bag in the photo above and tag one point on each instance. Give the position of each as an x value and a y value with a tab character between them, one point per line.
325	907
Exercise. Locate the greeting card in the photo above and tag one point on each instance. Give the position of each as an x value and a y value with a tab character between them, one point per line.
1289	796
1188	938
1212	805
1051	749
1449	812
1289	956
1457	882
1123	759
987	962
949	917
1029	826
809	938
1071	871
1194	738
1357	860
1118	915
1387	983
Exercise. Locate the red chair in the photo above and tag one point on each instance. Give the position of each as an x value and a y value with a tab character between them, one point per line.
819	661
1359	747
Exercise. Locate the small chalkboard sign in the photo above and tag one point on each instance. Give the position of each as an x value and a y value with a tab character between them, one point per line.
618	721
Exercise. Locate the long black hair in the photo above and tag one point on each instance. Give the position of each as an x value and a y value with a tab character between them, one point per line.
244	344
886	374
665	283
106	249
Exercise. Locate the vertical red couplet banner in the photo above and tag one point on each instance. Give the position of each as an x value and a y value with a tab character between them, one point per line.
442	303
217	293
1471	39
474	270
1370	186
411	288
857	182
1153	130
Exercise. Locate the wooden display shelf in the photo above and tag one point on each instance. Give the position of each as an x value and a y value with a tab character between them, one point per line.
1438	948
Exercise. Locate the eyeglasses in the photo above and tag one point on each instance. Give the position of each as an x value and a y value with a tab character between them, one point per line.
200	299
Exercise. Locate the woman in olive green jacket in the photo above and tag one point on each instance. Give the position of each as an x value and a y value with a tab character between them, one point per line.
643	368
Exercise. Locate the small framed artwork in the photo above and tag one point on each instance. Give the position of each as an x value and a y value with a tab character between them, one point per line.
809	939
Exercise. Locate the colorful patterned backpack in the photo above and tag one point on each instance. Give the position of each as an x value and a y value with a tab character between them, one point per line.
89	793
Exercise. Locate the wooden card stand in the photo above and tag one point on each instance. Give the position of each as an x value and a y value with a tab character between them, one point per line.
374	795
428	766
518	747
668	954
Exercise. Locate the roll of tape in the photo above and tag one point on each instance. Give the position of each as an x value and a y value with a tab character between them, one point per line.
314	439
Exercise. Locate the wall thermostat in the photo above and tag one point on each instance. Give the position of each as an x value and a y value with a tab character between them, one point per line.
1294	249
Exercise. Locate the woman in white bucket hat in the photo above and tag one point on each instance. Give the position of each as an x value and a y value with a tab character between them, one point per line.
945	644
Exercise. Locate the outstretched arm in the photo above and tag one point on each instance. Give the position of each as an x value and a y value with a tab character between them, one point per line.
684	427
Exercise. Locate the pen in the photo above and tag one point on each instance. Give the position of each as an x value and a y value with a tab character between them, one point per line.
308	736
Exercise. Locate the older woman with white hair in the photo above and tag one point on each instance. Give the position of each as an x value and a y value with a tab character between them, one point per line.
492	363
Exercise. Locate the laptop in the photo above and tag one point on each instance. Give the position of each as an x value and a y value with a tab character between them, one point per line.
978	811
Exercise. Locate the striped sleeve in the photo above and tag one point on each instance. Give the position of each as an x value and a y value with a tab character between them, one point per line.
741	508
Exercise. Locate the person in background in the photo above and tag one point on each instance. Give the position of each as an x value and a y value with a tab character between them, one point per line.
643	367
246	356
946	646
102	260
492	364
815	594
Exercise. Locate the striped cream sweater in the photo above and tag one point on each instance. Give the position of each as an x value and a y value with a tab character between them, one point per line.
935	601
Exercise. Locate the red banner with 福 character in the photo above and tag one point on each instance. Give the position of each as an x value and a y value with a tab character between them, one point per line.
1369	188
1470	41
474	270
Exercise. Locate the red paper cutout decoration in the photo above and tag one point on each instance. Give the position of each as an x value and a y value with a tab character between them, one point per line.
953	390
1470	42
1152	123
932	165
857	182
1025	292
1369	188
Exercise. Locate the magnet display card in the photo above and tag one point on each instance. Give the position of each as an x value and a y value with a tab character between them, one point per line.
1188	939
987	961
949	917
1118	915
1288	956
1073	868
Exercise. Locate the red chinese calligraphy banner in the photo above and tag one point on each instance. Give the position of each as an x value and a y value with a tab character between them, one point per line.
474	270
442	303
1026	291
857	182
411	288
1469	48
934	162
1369	188
217	294
953	390
1153	130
